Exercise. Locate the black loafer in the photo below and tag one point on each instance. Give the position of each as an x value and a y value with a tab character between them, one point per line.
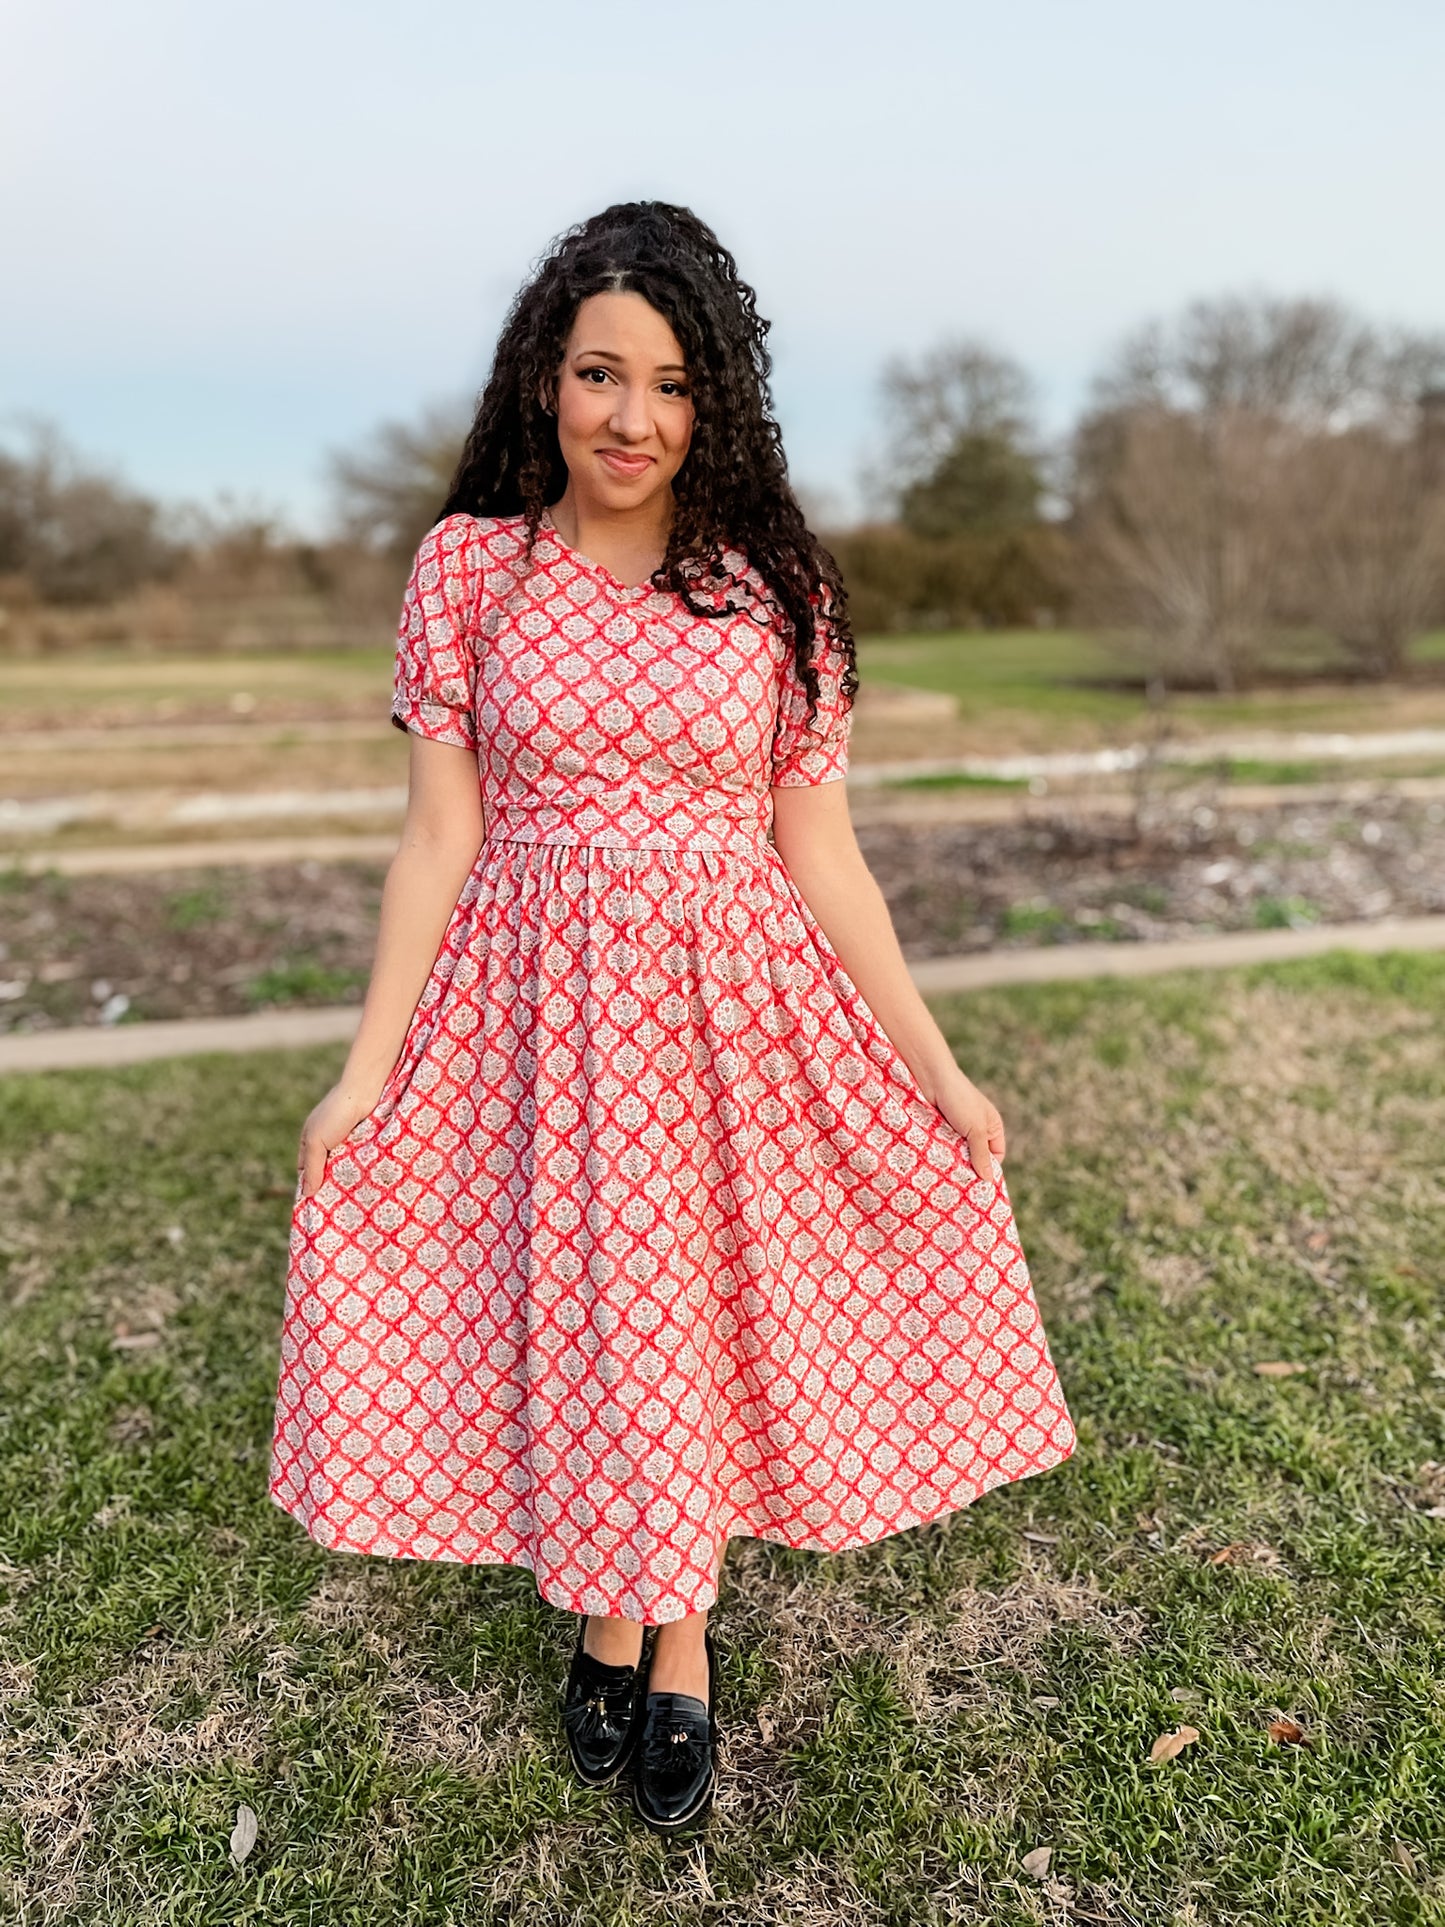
602	1712
676	1772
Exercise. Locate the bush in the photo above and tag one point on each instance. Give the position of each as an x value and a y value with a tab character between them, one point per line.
898	580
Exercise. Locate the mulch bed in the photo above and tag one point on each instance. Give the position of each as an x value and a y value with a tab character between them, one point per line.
202	942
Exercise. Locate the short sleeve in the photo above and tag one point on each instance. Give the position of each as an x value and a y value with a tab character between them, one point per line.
808	753
434	688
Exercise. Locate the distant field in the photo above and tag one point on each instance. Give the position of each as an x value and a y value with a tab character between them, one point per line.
1038	689
1016	690
114	687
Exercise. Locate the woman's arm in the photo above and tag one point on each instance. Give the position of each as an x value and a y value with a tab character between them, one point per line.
440	839
813	834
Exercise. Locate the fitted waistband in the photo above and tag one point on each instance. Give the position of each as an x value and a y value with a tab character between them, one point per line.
714	820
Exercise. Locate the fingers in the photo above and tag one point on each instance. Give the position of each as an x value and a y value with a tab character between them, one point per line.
311	1167
979	1151
986	1141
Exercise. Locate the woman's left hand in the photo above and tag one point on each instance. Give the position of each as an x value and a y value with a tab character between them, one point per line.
974	1117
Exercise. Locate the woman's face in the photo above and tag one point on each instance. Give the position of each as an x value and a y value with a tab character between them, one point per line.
624	409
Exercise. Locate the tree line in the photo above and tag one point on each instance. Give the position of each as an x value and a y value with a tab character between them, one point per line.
1247	469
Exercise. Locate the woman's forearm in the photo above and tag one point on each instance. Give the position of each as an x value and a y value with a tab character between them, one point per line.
422	886
843	895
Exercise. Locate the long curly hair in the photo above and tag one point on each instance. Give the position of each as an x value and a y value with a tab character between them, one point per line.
732	491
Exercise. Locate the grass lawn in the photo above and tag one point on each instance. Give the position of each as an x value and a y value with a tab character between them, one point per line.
1211	1173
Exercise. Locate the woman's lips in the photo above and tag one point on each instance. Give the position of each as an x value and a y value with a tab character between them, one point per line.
628	465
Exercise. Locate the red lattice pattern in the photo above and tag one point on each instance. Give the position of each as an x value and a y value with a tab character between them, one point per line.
652	1239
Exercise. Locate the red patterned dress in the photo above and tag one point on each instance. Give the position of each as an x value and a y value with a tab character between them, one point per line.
652	1238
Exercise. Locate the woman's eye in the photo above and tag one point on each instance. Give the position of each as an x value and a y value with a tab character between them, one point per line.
587	374
676	388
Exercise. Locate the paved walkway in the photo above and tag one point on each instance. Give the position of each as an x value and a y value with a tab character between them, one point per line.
88	1046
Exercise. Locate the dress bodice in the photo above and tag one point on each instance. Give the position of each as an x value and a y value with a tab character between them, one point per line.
600	712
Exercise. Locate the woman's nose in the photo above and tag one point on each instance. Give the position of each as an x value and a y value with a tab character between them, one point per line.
630	418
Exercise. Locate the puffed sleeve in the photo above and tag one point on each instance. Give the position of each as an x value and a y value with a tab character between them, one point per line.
804	753
434	689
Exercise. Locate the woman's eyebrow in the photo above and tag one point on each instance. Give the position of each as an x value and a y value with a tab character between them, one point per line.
606	354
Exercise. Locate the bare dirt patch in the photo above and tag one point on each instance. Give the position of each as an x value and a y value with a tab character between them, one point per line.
222	941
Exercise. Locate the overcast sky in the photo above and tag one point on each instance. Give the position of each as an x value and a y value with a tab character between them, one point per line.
237	237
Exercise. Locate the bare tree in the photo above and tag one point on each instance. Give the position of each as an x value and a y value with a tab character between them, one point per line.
1180	519
388	492
1188	471
1371	512
76	533
959	392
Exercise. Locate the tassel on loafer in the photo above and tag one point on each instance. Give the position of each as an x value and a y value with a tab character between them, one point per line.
675	1776
603	1710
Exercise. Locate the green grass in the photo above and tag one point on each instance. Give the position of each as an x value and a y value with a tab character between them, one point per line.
957	780
1243	769
1209	1172
303	981
195	908
1284	913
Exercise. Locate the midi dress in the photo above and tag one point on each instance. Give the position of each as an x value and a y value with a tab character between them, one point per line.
652	1238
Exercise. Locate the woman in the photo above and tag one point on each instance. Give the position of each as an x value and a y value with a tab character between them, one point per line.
650	1208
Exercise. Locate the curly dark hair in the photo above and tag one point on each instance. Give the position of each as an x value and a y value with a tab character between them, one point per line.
732	491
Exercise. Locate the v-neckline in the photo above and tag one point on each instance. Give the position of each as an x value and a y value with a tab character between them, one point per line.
589	567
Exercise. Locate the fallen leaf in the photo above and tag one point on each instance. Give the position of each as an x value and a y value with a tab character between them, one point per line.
1046	1701
1286	1732
1317	1240
1435	1512
766	1729
134	1341
1279	1368
1036	1864
1184	1694
1245	1552
1042	1538
1403	1856
1169	1746
243	1834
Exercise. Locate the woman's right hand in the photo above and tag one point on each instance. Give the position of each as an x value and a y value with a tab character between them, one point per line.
332	1120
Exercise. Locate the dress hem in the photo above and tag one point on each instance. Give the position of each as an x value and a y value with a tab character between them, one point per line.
571	1604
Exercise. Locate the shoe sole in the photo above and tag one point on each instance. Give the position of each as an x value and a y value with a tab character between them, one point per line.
601	1779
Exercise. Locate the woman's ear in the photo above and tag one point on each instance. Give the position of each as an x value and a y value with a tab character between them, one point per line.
547	397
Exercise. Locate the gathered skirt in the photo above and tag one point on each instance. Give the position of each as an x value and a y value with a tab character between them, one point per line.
652	1240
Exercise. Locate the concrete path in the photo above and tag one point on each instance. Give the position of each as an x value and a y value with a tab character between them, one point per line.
1270	746
252	852
91	1046
158	812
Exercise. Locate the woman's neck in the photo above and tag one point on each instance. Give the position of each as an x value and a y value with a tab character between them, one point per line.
629	543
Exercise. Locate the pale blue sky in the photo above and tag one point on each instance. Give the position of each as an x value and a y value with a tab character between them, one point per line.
237	237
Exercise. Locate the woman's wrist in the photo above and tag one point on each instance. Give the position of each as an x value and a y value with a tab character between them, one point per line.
364	1076
938	1076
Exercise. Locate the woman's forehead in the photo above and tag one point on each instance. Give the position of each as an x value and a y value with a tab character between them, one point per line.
623	326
